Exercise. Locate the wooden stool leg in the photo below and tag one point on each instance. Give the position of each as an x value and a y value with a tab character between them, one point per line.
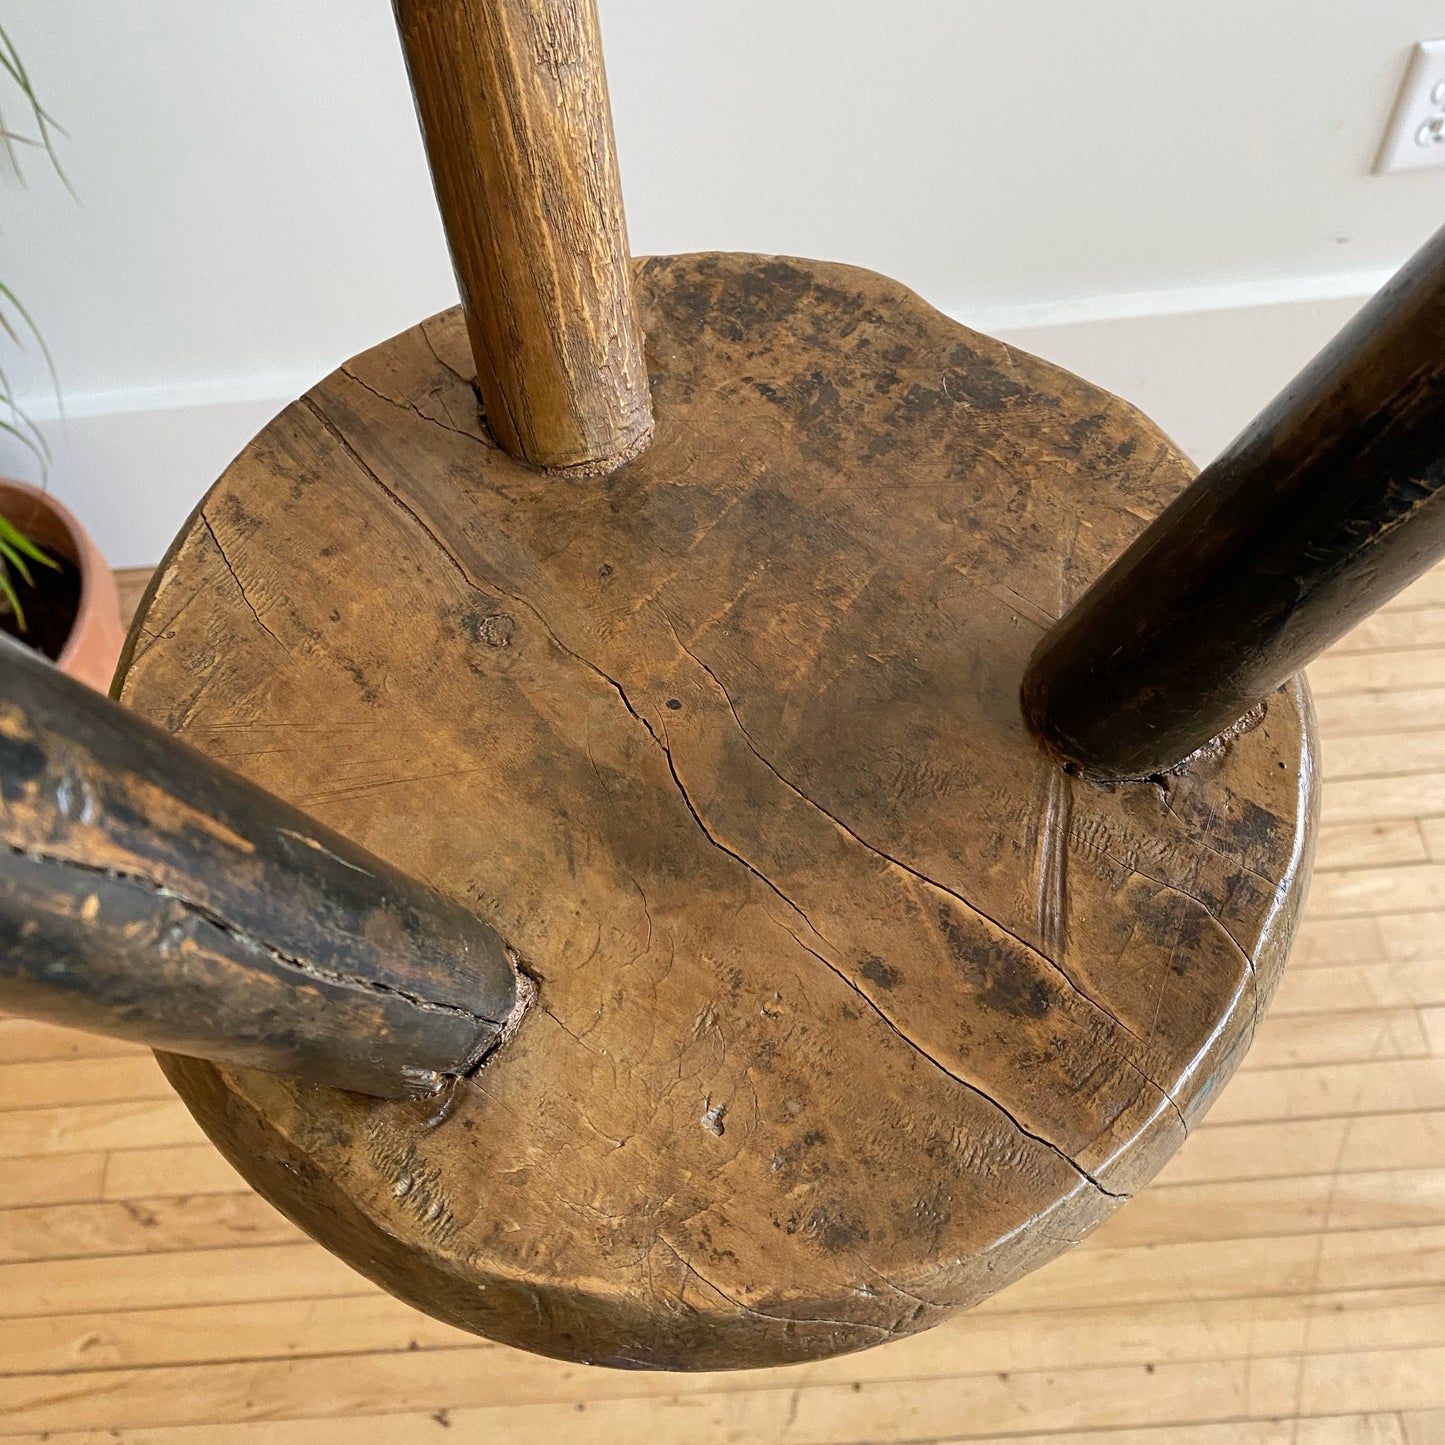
1329	503
513	103
148	893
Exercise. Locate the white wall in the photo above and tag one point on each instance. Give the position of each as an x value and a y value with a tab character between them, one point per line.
1173	198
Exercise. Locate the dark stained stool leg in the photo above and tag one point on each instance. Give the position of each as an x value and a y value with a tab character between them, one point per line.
149	893
1329	503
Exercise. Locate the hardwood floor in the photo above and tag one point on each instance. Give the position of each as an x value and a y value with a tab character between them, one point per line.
1282	1284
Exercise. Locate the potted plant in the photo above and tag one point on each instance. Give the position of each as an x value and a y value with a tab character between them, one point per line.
57	594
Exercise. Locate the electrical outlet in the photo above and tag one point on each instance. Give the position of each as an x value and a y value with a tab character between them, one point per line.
1417	132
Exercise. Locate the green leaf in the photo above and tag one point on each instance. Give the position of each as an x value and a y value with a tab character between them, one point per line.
37	448
9	328
12	559
45	122
20	422
20	426
12	537
17	551
14	300
7	590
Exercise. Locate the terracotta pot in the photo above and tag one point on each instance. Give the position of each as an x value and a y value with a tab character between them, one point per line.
93	649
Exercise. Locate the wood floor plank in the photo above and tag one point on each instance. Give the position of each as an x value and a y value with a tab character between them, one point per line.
1333	1090
1381	1429
1402	888
984	1341
1353	988
182	1277
1296	1204
1298	1264
120	1174
368	1322
1339	674
1328	943
159	1173
1432	1024
82	1128
1370	1380
1422	625
1289	1040
140	1226
494	1397
1384	755
131	583
52	1178
1402	710
57	1083
1408	937
1385	938
1127	1274
22	1040
1374	845
422	1429
1332	1145
1383	800
1423	1427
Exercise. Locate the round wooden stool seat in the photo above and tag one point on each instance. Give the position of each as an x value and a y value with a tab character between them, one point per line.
852	1006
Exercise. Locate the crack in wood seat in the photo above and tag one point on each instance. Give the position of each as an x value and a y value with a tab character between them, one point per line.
852	1006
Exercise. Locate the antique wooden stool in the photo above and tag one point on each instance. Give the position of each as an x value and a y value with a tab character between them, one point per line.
824	985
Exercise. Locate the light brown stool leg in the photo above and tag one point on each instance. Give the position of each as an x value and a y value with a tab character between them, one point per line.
513	102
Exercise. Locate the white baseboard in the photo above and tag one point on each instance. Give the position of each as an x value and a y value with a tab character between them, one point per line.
1201	375
133	465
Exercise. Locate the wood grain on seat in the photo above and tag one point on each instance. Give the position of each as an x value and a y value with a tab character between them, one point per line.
853	1008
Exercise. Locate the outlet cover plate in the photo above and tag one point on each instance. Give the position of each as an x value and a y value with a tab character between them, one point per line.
1417	132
